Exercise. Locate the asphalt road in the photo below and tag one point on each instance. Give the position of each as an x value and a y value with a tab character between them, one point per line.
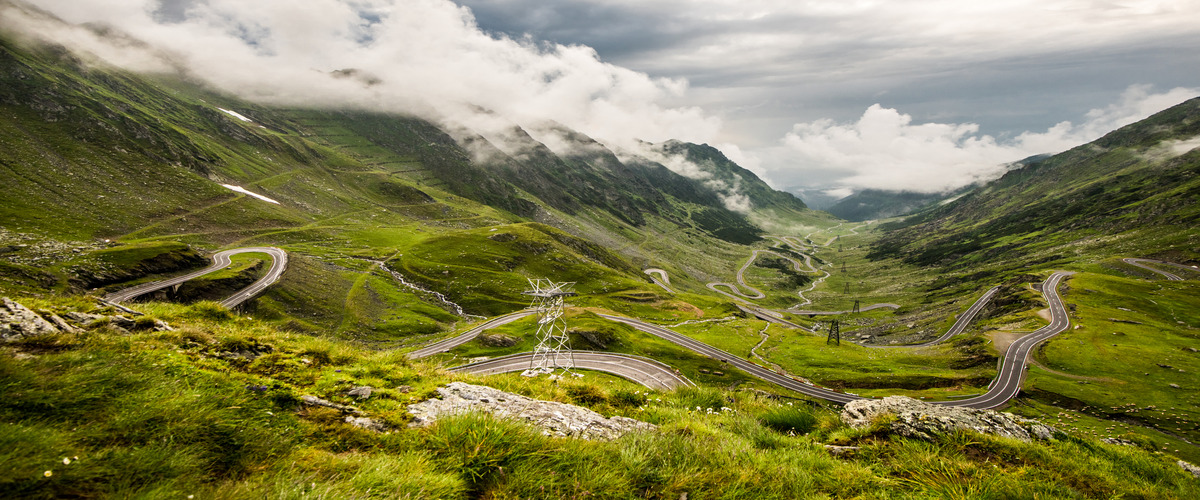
647	372
959	325
662	280
452	342
1006	385
744	365
1008	382
221	260
1170	276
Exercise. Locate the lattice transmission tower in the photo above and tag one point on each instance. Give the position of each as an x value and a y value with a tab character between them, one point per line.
554	347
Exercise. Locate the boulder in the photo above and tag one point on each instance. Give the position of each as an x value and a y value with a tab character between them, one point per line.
361	392
366	423
18	322
1189	468
555	419
921	420
497	340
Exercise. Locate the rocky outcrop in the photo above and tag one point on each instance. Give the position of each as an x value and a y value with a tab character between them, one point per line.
18	322
921	420
1187	466
555	419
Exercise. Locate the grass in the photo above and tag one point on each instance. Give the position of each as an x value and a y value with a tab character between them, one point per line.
161	414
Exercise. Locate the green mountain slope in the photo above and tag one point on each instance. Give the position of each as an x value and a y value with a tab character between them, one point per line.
1135	190
92	153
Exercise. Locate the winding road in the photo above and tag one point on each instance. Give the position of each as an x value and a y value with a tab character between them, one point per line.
959	325
452	342
1006	385
660	278
1170	276
645	371
221	260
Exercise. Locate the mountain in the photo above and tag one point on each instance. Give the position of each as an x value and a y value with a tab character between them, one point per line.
871	204
94	154
1135	190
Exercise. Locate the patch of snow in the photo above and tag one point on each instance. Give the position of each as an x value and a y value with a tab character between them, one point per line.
237	115
244	191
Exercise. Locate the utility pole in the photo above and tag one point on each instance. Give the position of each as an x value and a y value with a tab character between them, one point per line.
847	290
554	347
856	310
835	334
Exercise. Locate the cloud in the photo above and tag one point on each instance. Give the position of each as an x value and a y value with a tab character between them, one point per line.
885	149
426	57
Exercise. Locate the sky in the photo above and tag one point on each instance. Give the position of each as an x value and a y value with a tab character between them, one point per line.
814	96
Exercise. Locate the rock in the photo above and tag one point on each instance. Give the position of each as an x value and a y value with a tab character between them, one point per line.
1160	365
840	451
921	420
366	423
162	326
1173	386
18	322
555	419
361	392
1119	441
81	318
62	324
1190	468
122	322
497	340
404	389
315	401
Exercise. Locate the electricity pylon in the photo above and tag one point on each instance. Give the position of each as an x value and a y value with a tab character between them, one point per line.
554	347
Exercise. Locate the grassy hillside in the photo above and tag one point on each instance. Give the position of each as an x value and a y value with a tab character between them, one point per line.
1135	189
174	414
97	157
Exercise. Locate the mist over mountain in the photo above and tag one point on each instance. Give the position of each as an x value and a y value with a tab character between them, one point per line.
1137	182
334	248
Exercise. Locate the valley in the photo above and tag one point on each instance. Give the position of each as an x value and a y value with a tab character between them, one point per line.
393	252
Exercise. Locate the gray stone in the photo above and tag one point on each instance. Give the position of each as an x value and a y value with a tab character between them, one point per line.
497	340
18	322
1173	386
921	420
82	318
361	392
315	401
122	322
555	419
1118	441
840	451
366	423
62	324
1190	468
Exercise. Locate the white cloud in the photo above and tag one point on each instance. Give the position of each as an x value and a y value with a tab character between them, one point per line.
429	57
884	149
